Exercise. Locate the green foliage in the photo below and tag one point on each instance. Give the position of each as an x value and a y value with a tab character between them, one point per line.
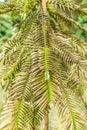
4	28
44	65
7	28
83	21
84	3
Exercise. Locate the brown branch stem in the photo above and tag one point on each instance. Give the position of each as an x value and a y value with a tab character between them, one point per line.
44	6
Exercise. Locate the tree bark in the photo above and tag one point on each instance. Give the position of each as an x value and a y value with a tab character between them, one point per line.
46	121
44	6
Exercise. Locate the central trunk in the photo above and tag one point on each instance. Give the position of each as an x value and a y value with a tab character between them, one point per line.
44	6
46	121
44	11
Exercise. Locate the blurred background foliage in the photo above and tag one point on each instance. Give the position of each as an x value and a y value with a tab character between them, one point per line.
7	28
8	25
82	20
84	3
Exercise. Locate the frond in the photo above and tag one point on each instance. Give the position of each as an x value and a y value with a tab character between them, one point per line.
63	47
79	72
71	21
9	70
22	114
66	6
7	7
83	92
71	111
65	12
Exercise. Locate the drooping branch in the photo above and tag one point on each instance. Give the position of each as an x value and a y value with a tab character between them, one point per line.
67	6
70	20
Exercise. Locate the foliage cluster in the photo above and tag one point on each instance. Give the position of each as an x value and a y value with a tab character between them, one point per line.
44	65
